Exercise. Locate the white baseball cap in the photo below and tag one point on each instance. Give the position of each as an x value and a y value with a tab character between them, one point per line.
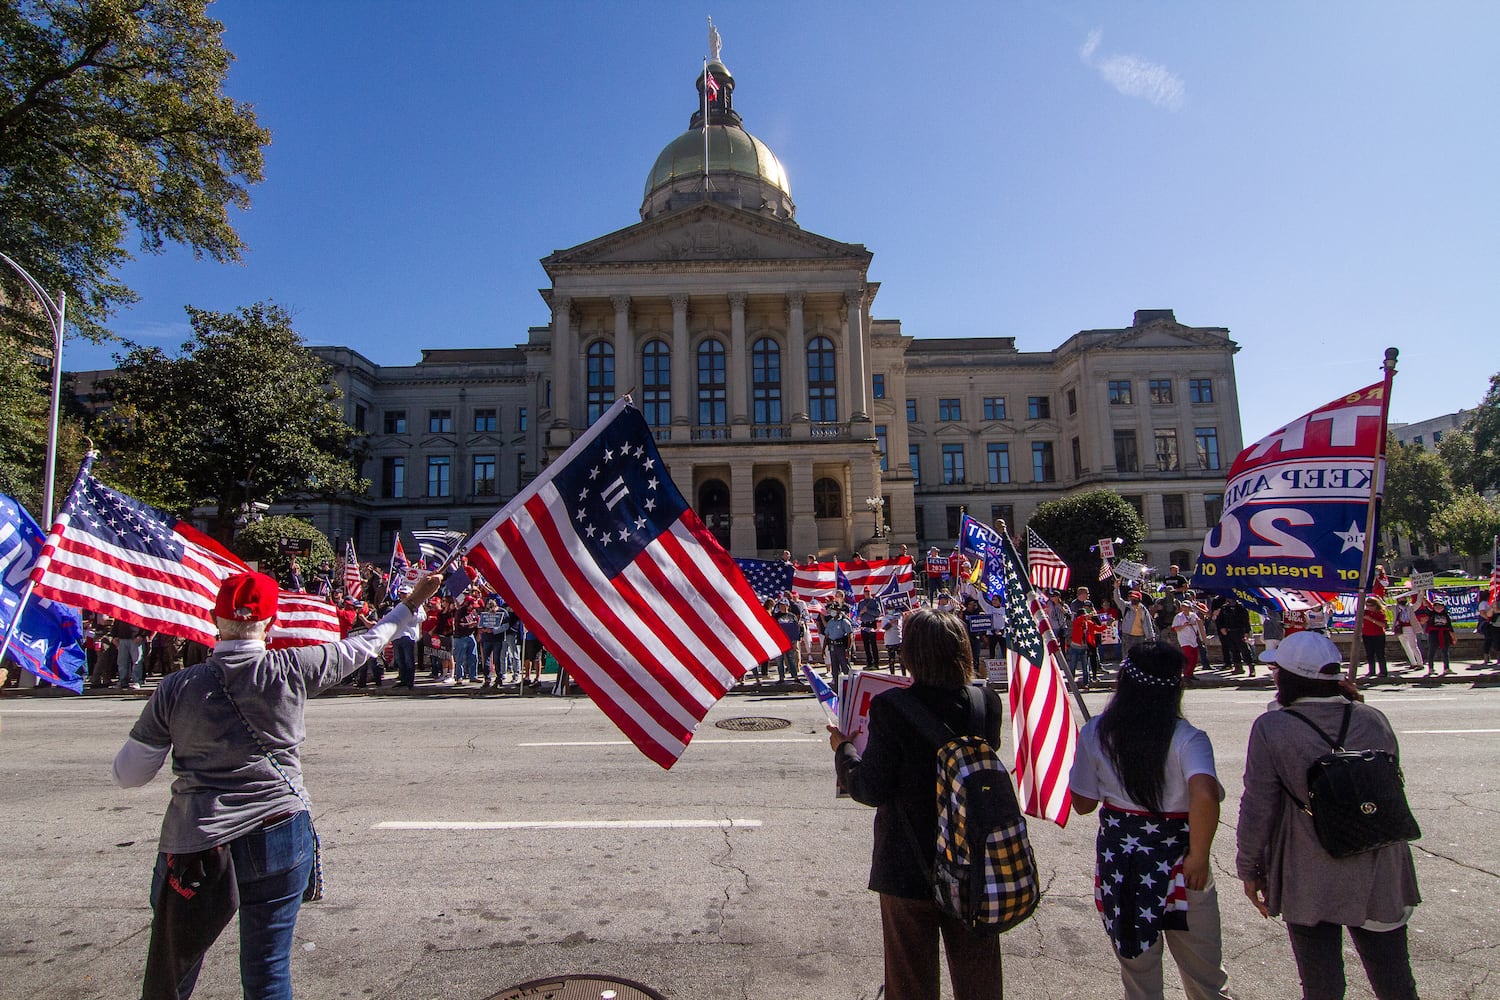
1307	654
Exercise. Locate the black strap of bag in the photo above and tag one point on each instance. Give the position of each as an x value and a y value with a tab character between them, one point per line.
314	891
1336	745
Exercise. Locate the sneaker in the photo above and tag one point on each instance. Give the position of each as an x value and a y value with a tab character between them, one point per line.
447	681
135	687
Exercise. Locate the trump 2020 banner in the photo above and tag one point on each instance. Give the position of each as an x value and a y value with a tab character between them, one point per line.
1297	499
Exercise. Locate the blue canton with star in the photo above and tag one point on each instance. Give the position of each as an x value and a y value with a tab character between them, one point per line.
617	492
767	578
1021	633
123	521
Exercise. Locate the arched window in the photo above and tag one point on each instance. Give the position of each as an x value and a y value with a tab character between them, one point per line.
656	383
822	391
601	389
828	498
713	418
713	509
765	388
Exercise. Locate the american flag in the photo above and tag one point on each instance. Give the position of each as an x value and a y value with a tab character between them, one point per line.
823	579
711	85
354	585
1041	716
302	620
1048	571
110	552
437	544
1105	569
604	561
766	578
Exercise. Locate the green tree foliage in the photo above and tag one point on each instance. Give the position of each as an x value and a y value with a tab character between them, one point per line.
1484	426
1074	524
1468	524
24	391
245	414
260	543
113	122
1456	449
1416	487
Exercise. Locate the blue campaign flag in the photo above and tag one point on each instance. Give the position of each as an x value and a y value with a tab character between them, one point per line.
458	581
985	543
48	638
826	697
767	578
841	581
892	597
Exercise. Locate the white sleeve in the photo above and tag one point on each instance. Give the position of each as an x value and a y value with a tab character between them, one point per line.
1083	779
137	763
327	664
1197	755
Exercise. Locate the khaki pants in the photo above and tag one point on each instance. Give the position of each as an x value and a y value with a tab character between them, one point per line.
1198	952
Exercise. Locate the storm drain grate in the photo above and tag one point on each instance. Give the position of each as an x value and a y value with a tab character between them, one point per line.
753	724
589	986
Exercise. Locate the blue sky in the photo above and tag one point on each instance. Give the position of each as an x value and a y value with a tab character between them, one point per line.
1318	178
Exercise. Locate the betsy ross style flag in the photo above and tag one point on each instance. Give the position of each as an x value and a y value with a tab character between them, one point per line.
111	552
1048	571
603	560
1041	715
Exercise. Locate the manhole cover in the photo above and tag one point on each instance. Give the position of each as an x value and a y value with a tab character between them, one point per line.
753	724
580	987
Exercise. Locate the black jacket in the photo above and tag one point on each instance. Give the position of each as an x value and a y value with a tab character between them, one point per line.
897	775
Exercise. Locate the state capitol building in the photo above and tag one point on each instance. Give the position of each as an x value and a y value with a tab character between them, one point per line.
789	415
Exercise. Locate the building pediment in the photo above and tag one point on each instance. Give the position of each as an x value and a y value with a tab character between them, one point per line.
1164	334
708	233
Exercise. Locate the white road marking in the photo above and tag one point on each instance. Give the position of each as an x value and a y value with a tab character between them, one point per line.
1444	732
696	742
576	824
54	711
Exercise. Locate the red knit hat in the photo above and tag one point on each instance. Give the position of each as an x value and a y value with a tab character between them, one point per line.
247	597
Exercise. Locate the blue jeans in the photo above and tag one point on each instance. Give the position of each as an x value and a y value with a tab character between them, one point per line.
465	657
490	649
1078	659
406	661
271	867
131	661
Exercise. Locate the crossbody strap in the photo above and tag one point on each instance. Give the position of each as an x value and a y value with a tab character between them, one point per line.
255	735
1335	745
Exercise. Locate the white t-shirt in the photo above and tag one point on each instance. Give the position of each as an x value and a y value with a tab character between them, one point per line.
1094	777
1186	627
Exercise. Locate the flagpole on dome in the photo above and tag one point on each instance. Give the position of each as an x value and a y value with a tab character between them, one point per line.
1372	536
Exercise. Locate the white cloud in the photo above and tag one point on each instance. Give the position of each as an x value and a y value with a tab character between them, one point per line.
1134	76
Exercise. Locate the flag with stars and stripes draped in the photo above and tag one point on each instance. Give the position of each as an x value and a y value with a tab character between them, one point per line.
767	578
605	562
1040	713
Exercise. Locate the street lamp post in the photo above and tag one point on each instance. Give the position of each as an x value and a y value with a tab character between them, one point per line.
57	313
877	507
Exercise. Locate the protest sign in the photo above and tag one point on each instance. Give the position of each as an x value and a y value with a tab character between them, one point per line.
854	702
1106	548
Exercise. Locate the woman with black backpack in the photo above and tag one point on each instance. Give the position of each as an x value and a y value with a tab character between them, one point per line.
1283	859
1153	773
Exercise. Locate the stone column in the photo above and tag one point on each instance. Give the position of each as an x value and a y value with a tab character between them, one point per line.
564	362
682	365
624	347
859	375
741	507
795	368
803	536
737	369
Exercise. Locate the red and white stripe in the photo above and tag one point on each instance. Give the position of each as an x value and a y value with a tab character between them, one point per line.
655	647
1046	568
83	570
303	620
1042	722
820	579
354	585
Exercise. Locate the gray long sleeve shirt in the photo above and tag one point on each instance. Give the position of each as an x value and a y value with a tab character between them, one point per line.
225	787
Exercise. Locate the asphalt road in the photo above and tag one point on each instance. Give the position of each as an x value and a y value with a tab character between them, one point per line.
736	874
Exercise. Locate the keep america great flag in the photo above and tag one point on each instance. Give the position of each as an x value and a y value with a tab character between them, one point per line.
605	562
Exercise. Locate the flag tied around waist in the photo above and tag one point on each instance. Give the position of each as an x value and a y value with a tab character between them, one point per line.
605	562
1046	737
1296	502
47	638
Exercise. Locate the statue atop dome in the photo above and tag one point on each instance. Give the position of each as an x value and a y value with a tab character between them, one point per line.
715	44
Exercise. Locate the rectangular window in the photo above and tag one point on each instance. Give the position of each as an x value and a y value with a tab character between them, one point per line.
953	464
914	456
437	522
520	470
880	442
1138	502
1039	407
994	407
1003	512
521	419
1167	459
1161	390
395	421
1072	401
911	411
440	421
949	409
393	478
486	419
1200	390
1119	392
438	482
1437	436
877	385
998	460
1208	447
1077	457
484	475
1127	457
389	529
1213	508
1043	465
1173	511
955	516
359	416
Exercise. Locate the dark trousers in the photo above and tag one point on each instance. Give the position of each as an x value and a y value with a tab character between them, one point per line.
1319	953
1374	654
869	637
910	929
1236	651
406	662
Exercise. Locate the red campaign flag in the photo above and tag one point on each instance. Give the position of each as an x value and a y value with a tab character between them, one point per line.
817	580
303	620
1047	569
604	561
354	585
110	552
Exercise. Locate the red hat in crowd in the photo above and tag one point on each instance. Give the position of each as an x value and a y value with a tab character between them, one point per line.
247	597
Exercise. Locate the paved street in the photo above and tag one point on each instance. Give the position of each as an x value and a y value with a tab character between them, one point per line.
737	874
